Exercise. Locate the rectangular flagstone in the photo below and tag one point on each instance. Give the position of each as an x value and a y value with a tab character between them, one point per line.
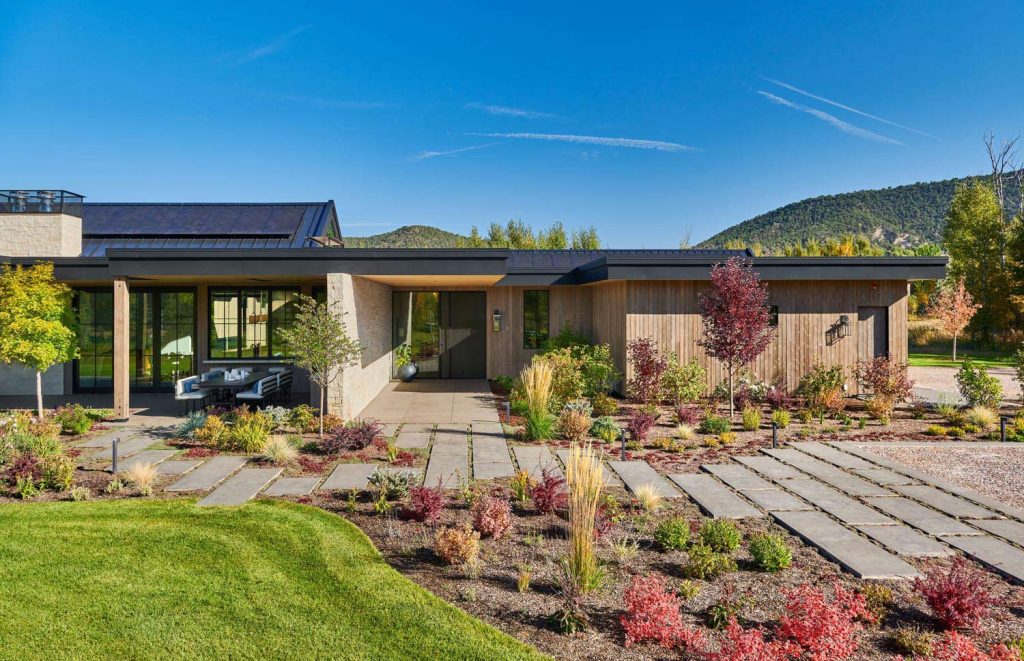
413	440
776	500
636	474
842	507
125	448
535	458
488	430
146	456
490	457
241	487
348	476
944	502
770	468
610	479
855	486
994	553
738	477
176	467
830	454
1005	528
388	430
209	474
884	476
805	463
104	440
492	470
292	486
906	541
854	553
715	498
921	517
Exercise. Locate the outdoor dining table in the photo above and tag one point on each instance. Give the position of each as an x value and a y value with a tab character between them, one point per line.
219	383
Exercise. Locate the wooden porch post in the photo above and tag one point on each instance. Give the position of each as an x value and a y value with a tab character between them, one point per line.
121	312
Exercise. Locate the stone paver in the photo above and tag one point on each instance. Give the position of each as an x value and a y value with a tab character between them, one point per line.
388	429
884	476
610	479
535	458
905	540
636	474
830	454
842	507
855	486
853	552
714	497
805	463
488	429
154	457
125	448
995	553
776	500
770	468
738	477
490	457
944	502
176	467
106	439
209	474
292	486
490	470
921	517
1005	528
449	457
241	487
348	476
413	440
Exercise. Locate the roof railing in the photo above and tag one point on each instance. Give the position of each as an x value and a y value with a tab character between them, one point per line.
41	201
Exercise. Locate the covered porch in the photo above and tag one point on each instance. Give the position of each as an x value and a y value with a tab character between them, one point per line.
428	401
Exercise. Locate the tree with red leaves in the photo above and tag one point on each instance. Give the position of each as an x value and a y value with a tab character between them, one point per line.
736	318
954	307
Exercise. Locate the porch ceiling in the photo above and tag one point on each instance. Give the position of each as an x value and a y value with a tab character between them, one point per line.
436	280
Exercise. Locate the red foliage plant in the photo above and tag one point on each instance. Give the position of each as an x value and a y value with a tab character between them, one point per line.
735	316
886	378
355	435
778	397
200	452
425	504
653	613
958	647
25	465
959	597
750	645
404	458
492	517
688	415
648	365
310	464
549	493
639	424
824	630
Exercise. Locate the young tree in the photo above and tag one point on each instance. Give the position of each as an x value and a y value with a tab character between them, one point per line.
320	343
37	328
736	318
954	307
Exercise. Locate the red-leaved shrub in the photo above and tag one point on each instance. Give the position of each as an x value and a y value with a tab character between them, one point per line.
355	435
310	464
958	647
778	397
200	452
404	458
825	630
959	597
688	415
648	364
639	424
24	466
549	494
492	517
653	613
425	504
750	645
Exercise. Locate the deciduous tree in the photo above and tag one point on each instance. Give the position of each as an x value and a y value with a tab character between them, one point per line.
954	307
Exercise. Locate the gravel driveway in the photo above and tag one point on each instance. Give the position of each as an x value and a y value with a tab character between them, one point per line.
936	384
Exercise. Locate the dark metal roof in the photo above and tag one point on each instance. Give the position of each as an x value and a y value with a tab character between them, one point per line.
202	226
562	260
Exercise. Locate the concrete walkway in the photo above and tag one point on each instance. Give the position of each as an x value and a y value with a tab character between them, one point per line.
434	401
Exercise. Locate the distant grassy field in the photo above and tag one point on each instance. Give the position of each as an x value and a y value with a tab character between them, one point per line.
935	358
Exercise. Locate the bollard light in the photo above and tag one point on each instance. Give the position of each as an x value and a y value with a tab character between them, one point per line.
775	434
508	413
113	452
1002	428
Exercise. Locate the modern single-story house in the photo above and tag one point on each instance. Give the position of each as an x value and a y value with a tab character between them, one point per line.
164	291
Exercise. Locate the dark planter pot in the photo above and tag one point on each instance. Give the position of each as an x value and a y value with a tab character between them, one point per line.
408	372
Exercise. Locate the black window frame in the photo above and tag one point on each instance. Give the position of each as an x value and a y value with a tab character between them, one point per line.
536	337
773	316
239	322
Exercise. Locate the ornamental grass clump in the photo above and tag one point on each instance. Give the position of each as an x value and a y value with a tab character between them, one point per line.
648	497
278	451
982	417
536	380
585	476
143	475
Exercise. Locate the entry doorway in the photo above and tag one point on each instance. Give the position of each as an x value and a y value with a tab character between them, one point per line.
447	332
872	332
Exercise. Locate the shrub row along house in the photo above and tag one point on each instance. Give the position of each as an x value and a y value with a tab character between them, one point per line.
163	291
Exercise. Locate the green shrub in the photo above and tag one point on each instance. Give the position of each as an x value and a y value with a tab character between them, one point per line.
685	382
751	419
770	552
302	416
823	389
977	386
248	434
673	534
540	425
714	424
581	369
604	404
688	589
703	563
73	419
913	641
878	599
606	429
720	535
781	417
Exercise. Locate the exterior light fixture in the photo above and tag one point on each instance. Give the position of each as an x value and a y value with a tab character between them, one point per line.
844	326
496	321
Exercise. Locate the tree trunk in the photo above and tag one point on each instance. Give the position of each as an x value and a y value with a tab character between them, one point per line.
322	388
39	393
954	347
732	405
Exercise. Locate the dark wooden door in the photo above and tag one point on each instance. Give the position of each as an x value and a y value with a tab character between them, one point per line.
465	350
872	332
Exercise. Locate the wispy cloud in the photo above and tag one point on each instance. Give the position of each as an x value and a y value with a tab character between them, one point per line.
511	112
425	155
846	127
340	104
631	143
275	45
810	95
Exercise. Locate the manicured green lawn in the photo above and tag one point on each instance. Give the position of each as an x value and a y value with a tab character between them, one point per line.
166	579
978	357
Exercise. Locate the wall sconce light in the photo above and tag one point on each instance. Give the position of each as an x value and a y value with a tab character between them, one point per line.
844	326
496	321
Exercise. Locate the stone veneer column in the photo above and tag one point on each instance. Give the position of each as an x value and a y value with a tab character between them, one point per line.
121	330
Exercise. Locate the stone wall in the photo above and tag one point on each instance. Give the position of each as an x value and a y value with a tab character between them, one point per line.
40	235
16	380
366	306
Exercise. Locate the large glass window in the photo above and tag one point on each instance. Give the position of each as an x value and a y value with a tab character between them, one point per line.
177	324
535	318
416	321
95	366
246	323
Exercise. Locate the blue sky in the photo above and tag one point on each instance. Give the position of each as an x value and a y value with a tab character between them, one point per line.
642	119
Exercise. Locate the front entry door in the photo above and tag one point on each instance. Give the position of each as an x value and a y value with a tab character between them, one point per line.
464	355
872	332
